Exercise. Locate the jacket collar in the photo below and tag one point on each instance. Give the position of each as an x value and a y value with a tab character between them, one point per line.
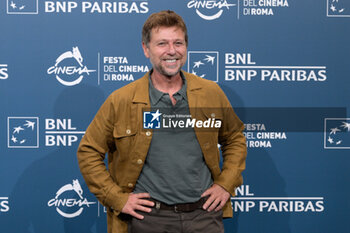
192	83
142	90
142	87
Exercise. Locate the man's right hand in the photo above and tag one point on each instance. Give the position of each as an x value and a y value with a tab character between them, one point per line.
136	202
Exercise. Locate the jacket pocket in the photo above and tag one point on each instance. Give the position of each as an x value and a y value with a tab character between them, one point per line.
215	116
124	138
213	113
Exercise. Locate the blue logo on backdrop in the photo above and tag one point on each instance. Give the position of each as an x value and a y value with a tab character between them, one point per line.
338	8
204	64
23	132
337	133
22	7
151	120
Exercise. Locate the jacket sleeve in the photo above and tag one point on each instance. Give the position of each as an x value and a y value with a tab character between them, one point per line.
233	147
97	141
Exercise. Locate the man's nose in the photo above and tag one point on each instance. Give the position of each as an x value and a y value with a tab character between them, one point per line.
171	49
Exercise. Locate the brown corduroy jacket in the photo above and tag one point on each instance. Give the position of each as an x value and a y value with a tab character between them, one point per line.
117	129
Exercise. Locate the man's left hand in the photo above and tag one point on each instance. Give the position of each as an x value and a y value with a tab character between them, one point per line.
218	197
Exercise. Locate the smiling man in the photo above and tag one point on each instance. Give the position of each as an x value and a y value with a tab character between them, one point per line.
164	180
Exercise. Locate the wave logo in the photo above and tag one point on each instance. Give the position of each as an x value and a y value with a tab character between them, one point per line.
338	8
69	75
337	133
22	7
70	203
204	64
209	9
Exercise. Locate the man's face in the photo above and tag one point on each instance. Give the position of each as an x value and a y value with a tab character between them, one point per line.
167	50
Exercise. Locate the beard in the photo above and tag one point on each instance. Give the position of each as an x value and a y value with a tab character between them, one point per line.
168	71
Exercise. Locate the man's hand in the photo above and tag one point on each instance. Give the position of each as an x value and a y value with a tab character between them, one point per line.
136	202
218	197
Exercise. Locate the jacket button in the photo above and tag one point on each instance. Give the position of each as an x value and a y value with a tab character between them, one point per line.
148	133
139	161
130	185
206	145
128	131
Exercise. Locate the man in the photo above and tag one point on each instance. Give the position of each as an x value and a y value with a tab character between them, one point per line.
164	180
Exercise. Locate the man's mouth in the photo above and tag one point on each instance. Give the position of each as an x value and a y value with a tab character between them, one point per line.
170	60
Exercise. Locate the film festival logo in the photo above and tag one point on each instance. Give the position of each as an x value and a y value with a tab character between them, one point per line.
204	64
210	9
22	7
337	133
72	74
23	132
65	205
338	8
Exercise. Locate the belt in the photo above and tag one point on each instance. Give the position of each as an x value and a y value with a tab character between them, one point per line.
184	207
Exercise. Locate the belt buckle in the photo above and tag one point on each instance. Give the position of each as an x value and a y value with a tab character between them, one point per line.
175	209
157	205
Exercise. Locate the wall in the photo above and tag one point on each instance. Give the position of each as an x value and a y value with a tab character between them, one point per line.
284	65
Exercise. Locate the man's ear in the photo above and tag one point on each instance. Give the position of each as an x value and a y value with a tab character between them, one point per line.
145	49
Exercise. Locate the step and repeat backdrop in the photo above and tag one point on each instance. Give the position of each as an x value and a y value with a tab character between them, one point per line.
283	64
